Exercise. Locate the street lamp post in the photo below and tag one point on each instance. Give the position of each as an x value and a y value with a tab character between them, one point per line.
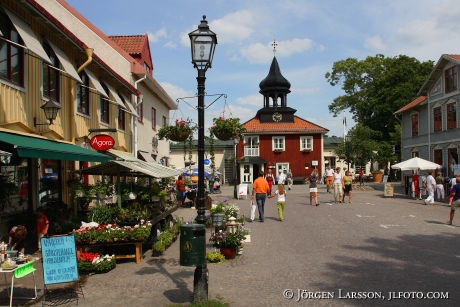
235	173
203	42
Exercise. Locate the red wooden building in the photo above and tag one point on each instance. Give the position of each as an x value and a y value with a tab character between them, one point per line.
278	139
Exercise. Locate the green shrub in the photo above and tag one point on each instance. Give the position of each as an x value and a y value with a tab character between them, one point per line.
215	257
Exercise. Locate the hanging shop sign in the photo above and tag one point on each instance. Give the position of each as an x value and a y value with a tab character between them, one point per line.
102	142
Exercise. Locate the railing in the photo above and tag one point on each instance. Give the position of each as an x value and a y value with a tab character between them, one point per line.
251	151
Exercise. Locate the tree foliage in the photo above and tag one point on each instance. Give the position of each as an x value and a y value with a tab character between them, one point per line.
359	146
377	87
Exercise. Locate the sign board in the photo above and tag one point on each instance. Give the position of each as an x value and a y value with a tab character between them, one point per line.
389	190
102	142
243	190
207	161
314	163
59	259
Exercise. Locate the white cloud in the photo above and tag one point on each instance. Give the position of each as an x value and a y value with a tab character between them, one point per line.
235	27
254	100
157	36
375	43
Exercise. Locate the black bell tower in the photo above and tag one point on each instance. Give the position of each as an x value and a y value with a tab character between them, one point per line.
275	88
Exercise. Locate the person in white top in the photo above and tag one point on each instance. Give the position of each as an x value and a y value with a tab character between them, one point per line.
281	201
338	186
329	179
281	178
431	187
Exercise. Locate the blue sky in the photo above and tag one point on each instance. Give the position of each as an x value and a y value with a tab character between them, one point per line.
311	36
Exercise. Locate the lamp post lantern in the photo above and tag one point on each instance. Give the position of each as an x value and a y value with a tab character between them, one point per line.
203	42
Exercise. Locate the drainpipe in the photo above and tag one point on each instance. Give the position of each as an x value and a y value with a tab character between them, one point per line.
133	120
89	53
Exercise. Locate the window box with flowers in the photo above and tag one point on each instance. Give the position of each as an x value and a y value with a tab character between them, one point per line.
278	150
179	132
306	150
227	128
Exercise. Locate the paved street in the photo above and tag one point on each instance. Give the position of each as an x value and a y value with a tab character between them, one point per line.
330	255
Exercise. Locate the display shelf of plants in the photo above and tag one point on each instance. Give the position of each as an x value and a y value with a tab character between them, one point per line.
230	234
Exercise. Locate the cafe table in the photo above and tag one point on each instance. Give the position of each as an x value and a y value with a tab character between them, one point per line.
20	271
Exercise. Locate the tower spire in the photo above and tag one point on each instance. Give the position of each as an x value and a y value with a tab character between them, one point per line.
274	45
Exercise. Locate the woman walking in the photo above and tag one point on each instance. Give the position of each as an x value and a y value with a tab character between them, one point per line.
313	179
281	201
338	186
347	186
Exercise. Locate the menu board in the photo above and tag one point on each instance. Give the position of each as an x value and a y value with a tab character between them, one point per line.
59	259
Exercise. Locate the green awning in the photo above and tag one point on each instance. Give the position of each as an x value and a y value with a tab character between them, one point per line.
31	147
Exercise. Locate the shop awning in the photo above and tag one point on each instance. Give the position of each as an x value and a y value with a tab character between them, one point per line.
28	36
125	164
32	147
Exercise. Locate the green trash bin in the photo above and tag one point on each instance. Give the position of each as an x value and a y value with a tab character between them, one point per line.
192	244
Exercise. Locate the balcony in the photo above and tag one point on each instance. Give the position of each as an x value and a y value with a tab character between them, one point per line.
251	151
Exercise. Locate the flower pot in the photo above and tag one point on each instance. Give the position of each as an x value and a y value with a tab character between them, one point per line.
229	253
224	135
377	177
180	136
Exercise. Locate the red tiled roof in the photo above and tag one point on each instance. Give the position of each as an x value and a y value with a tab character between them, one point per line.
454	56
412	104
298	126
133	44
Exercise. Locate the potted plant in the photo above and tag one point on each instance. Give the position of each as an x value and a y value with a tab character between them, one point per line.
179	132
217	214
215	257
227	129
227	242
89	262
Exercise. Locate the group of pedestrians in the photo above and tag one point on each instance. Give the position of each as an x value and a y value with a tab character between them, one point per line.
263	189
341	185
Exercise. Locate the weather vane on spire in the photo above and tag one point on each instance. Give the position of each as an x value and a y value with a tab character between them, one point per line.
274	44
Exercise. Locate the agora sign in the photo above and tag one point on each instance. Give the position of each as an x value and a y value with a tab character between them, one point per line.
102	142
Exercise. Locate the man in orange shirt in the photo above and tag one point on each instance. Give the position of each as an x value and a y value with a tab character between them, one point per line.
259	193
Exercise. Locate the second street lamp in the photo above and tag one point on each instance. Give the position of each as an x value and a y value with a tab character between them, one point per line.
203	42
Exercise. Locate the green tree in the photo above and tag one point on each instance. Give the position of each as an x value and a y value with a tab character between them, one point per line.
359	146
377	87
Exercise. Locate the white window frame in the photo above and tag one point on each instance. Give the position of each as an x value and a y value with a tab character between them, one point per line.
306	143
278	143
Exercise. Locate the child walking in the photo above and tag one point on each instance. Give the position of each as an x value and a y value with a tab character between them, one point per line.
281	201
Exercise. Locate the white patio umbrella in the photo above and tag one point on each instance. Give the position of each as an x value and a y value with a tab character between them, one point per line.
416	164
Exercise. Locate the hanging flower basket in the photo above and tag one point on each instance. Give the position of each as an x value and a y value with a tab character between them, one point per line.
177	133
227	129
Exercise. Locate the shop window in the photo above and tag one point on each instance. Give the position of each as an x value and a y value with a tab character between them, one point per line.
140	112
104	105
306	143
83	95
154	119
51	75
278	143
121	118
11	56
49	182
451	116
414	124
437	119
451	79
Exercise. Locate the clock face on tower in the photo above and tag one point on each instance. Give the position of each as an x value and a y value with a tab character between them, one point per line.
277	117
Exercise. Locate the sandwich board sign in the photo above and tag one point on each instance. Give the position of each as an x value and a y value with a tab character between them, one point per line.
59	259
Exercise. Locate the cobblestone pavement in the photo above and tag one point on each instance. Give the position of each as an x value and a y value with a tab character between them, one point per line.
330	255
